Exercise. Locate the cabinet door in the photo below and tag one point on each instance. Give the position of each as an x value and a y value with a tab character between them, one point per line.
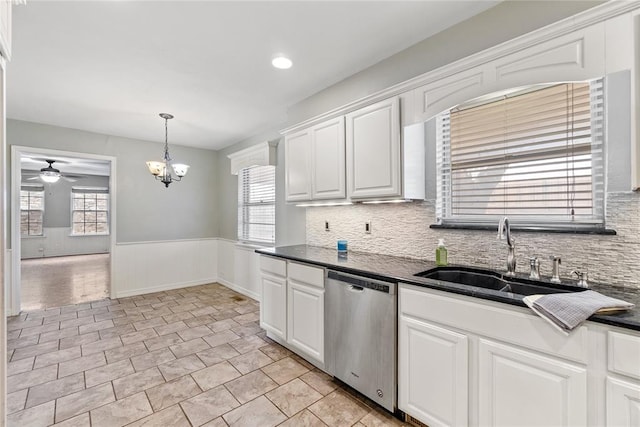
623	403
432	373
273	308
518	387
328	160
373	151
305	319
297	163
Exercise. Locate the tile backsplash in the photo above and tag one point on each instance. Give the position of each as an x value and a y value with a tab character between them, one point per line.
403	230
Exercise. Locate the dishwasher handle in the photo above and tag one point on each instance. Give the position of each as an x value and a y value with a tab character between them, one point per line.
359	283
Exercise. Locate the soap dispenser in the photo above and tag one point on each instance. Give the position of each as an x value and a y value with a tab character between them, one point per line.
441	254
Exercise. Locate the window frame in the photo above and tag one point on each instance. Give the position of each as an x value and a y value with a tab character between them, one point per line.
95	191
444	175
32	189
245	205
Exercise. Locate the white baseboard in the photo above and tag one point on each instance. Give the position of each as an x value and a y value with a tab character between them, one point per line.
239	289
165	287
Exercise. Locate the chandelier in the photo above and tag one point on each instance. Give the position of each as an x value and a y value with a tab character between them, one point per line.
161	169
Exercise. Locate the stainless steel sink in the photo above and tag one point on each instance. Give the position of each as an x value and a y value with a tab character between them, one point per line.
488	279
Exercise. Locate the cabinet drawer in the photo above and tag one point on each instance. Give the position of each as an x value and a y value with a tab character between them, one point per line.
273	265
306	274
624	354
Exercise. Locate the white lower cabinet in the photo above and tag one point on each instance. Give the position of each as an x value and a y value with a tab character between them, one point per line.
623	403
292	306
519	387
429	351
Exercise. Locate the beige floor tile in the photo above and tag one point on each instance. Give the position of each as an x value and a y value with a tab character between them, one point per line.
38	416
16	400
339	409
83	401
218	422
184	315
31	378
303	419
142	335
81	420
275	351
168	394
200	321
101	345
19	366
153	358
209	405
284	370
121	412
320	381
250	386
183	307
189	347
22	342
222	325
180	367
55	357
220	338
36	330
58	334
215	375
247	344
116	331
125	352
80	321
381	418
243	319
163	341
34	350
204	310
247	330
139	381
217	354
194	332
258	412
172	416
251	361
96	326
81	364
108	372
170	328
54	389
293	397
146	324
79	340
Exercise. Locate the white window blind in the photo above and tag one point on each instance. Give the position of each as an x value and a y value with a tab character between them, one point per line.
257	204
31	210
536	157
89	210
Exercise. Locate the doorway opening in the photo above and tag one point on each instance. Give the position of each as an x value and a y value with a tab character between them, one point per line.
62	228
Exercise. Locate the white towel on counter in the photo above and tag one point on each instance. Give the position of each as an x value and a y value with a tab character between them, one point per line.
566	311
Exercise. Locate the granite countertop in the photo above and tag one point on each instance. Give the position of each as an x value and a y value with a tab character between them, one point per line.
398	269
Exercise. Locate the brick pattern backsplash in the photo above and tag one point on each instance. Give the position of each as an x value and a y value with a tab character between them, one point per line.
403	230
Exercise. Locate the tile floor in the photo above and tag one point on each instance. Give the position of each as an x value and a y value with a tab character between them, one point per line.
189	357
58	281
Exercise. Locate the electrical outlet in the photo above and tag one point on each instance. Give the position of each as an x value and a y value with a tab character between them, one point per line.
326	226
367	227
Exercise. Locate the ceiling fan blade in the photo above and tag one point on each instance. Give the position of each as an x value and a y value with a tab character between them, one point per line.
68	178
32	178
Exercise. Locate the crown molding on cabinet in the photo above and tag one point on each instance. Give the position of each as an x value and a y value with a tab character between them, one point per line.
579	21
262	154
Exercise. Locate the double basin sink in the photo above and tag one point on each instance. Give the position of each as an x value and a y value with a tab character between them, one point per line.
487	279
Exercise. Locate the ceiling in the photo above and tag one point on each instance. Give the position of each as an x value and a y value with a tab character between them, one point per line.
111	66
66	164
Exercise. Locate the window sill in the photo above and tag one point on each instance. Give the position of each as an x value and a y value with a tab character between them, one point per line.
528	229
89	235
42	236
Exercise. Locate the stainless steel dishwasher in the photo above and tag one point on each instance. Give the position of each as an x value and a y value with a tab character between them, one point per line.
360	335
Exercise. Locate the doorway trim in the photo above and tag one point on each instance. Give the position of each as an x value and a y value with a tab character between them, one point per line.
12	282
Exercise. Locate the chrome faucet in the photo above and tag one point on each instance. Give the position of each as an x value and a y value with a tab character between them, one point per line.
555	275
583	277
534	263
504	231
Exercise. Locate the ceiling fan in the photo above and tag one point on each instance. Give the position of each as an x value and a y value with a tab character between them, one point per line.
49	174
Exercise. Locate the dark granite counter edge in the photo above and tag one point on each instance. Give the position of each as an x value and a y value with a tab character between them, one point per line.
620	320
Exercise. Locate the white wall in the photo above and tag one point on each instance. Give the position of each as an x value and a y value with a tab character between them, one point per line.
58	241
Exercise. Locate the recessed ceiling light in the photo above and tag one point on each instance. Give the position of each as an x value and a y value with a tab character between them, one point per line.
281	62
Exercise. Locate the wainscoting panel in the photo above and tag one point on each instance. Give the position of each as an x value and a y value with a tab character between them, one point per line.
146	267
57	241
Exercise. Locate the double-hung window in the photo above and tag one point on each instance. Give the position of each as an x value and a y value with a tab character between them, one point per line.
89	211
31	210
535	156
257	205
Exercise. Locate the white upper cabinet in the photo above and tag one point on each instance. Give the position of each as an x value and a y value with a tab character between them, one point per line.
297	159
315	162
5	28
328	160
373	151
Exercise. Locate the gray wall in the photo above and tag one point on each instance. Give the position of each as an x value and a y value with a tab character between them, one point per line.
503	22
146	210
